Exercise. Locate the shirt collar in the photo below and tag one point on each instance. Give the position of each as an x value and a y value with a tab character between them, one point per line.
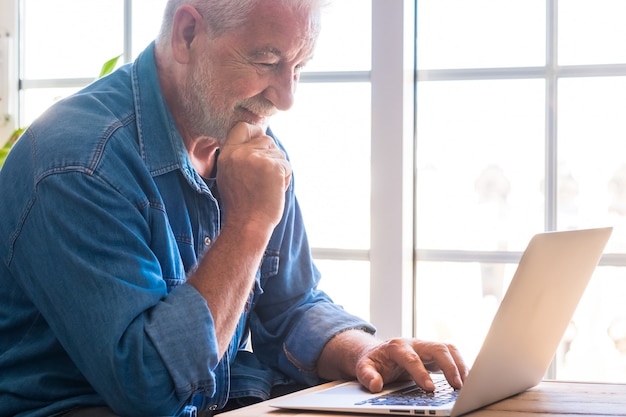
160	143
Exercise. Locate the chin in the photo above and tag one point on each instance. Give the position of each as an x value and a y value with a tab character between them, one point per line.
261	122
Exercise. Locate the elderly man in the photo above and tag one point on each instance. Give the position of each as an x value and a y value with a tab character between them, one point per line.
149	226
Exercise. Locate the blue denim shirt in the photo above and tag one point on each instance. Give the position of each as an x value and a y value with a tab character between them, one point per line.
102	217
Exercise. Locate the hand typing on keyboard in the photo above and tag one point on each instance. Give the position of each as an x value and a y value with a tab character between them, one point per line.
399	359
375	363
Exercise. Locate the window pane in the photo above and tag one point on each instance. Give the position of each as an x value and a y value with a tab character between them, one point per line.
346	38
480	159
594	348
348	284
39	99
327	136
58	44
147	16
480	33
592	32
592	149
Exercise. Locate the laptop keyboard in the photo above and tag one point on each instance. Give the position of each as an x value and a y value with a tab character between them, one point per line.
414	395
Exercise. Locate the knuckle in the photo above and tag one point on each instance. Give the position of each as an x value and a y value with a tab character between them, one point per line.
395	342
441	349
397	345
452	349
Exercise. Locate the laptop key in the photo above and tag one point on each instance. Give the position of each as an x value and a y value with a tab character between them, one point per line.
414	395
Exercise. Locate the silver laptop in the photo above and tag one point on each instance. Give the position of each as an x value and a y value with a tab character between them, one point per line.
516	353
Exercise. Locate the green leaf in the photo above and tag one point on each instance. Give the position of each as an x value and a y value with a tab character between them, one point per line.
3	156
109	66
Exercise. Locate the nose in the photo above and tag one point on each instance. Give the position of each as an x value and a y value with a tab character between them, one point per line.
282	88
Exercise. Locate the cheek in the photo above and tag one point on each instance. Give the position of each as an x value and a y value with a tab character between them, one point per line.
246	85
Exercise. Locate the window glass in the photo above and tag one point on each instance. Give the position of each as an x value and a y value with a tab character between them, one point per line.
480	33
70	38
345	41
147	17
592	153
348	284
39	99
594	346
592	32
327	136
480	159
597	329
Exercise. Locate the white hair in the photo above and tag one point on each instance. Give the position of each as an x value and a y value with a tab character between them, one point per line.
223	16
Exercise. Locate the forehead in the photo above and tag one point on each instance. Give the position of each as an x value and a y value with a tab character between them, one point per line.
272	28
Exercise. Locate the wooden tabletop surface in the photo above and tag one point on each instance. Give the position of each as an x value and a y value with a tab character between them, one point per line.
548	399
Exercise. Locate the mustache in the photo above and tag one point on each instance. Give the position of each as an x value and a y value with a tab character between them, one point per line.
259	106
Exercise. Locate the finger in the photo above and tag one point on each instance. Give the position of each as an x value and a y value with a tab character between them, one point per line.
418	372
242	132
448	359
460	363
370	378
253	135
286	172
267	147
406	358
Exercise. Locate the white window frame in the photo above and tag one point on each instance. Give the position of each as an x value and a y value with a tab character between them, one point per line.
392	80
392	162
8	69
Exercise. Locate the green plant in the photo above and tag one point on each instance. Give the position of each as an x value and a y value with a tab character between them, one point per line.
106	69
109	66
4	151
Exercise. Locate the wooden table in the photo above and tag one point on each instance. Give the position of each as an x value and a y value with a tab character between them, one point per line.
548	399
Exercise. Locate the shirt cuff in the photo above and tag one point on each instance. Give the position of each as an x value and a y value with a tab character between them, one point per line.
305	342
186	341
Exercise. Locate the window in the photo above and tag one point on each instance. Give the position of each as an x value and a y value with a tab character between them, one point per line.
519	130
60	51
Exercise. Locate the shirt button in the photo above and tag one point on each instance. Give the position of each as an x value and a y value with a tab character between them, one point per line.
207	241
213	407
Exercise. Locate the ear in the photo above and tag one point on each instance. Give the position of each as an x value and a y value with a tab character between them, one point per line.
187	24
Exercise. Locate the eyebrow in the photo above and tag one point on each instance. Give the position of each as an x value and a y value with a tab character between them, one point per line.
263	53
271	51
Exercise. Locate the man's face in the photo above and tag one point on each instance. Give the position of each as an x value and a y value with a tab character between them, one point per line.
250	73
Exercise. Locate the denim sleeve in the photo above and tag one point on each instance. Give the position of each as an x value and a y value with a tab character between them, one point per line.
90	257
